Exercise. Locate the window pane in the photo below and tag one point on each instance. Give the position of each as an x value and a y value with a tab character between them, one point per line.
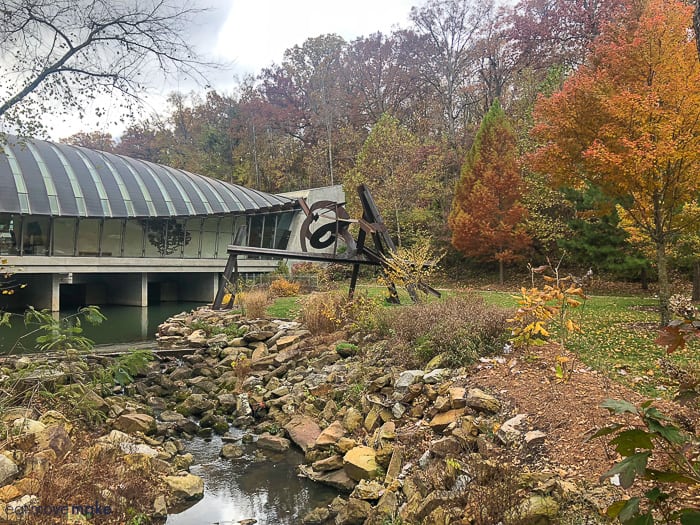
133	238
225	236
176	238
256	226
269	231
9	234
284	221
89	237
64	237
241	229
36	236
192	238
112	238
156	237
209	238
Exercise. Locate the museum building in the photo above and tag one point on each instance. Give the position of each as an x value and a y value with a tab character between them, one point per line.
100	228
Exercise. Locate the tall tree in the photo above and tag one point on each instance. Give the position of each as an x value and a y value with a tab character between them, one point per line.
401	174
560	32
57	55
450	30
629	122
94	139
487	218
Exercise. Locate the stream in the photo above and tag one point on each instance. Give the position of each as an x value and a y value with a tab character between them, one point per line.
238	489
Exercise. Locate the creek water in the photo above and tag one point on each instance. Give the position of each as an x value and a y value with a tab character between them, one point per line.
268	491
124	324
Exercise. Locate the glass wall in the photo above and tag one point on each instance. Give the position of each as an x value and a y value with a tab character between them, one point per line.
282	232
64	237
89	237
191	238
268	240
133	238
225	236
255	230
36	234
209	231
112	237
10	234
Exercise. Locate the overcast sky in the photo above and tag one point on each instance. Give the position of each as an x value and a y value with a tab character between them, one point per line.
252	34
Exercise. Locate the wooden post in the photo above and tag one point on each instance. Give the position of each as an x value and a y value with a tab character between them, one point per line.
225	279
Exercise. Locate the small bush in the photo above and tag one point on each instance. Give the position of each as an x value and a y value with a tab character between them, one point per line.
322	312
254	303
327	312
463	328
284	288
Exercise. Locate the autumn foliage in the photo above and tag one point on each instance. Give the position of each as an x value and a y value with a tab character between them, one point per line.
628	122
487	217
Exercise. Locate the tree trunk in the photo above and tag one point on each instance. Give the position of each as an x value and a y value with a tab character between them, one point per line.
696	280
664	285
500	271
645	278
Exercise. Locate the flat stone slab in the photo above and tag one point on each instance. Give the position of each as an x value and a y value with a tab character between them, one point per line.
303	431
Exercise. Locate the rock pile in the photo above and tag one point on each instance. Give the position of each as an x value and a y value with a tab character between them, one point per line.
422	445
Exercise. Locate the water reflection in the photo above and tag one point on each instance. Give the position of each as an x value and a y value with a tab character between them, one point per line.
124	324
234	490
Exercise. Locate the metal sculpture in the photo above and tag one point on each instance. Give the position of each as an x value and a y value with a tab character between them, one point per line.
325	224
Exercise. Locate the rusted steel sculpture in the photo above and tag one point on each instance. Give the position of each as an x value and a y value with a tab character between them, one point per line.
323	235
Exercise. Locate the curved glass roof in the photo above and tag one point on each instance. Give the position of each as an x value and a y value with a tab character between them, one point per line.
44	178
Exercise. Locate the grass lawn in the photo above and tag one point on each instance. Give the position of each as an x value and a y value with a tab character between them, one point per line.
618	340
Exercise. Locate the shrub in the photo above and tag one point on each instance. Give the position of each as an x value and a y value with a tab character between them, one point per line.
284	288
321	312
463	328
254	303
326	312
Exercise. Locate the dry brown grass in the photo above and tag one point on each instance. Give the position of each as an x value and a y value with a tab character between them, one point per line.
255	302
88	478
322	312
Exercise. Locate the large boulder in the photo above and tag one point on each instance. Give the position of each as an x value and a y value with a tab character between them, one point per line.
8	470
188	487
56	438
330	435
481	401
194	405
303	431
361	463
132	423
273	443
354	513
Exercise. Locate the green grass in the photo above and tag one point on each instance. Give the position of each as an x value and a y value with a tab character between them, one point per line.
618	339
284	308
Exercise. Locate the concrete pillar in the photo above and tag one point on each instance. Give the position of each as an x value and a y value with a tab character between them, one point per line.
198	287
128	289
42	291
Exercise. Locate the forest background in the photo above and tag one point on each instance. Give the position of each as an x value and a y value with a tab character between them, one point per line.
501	133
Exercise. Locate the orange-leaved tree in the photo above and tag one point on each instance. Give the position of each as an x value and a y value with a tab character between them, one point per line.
629	122
487	218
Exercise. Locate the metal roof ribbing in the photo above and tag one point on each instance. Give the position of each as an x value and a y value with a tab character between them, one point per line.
99	184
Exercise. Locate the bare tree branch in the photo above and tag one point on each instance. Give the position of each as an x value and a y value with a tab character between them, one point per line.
65	52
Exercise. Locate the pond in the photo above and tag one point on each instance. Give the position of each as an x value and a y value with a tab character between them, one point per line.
238	489
124	324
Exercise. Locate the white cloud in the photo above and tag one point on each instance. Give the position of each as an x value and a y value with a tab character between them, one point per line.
257	32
